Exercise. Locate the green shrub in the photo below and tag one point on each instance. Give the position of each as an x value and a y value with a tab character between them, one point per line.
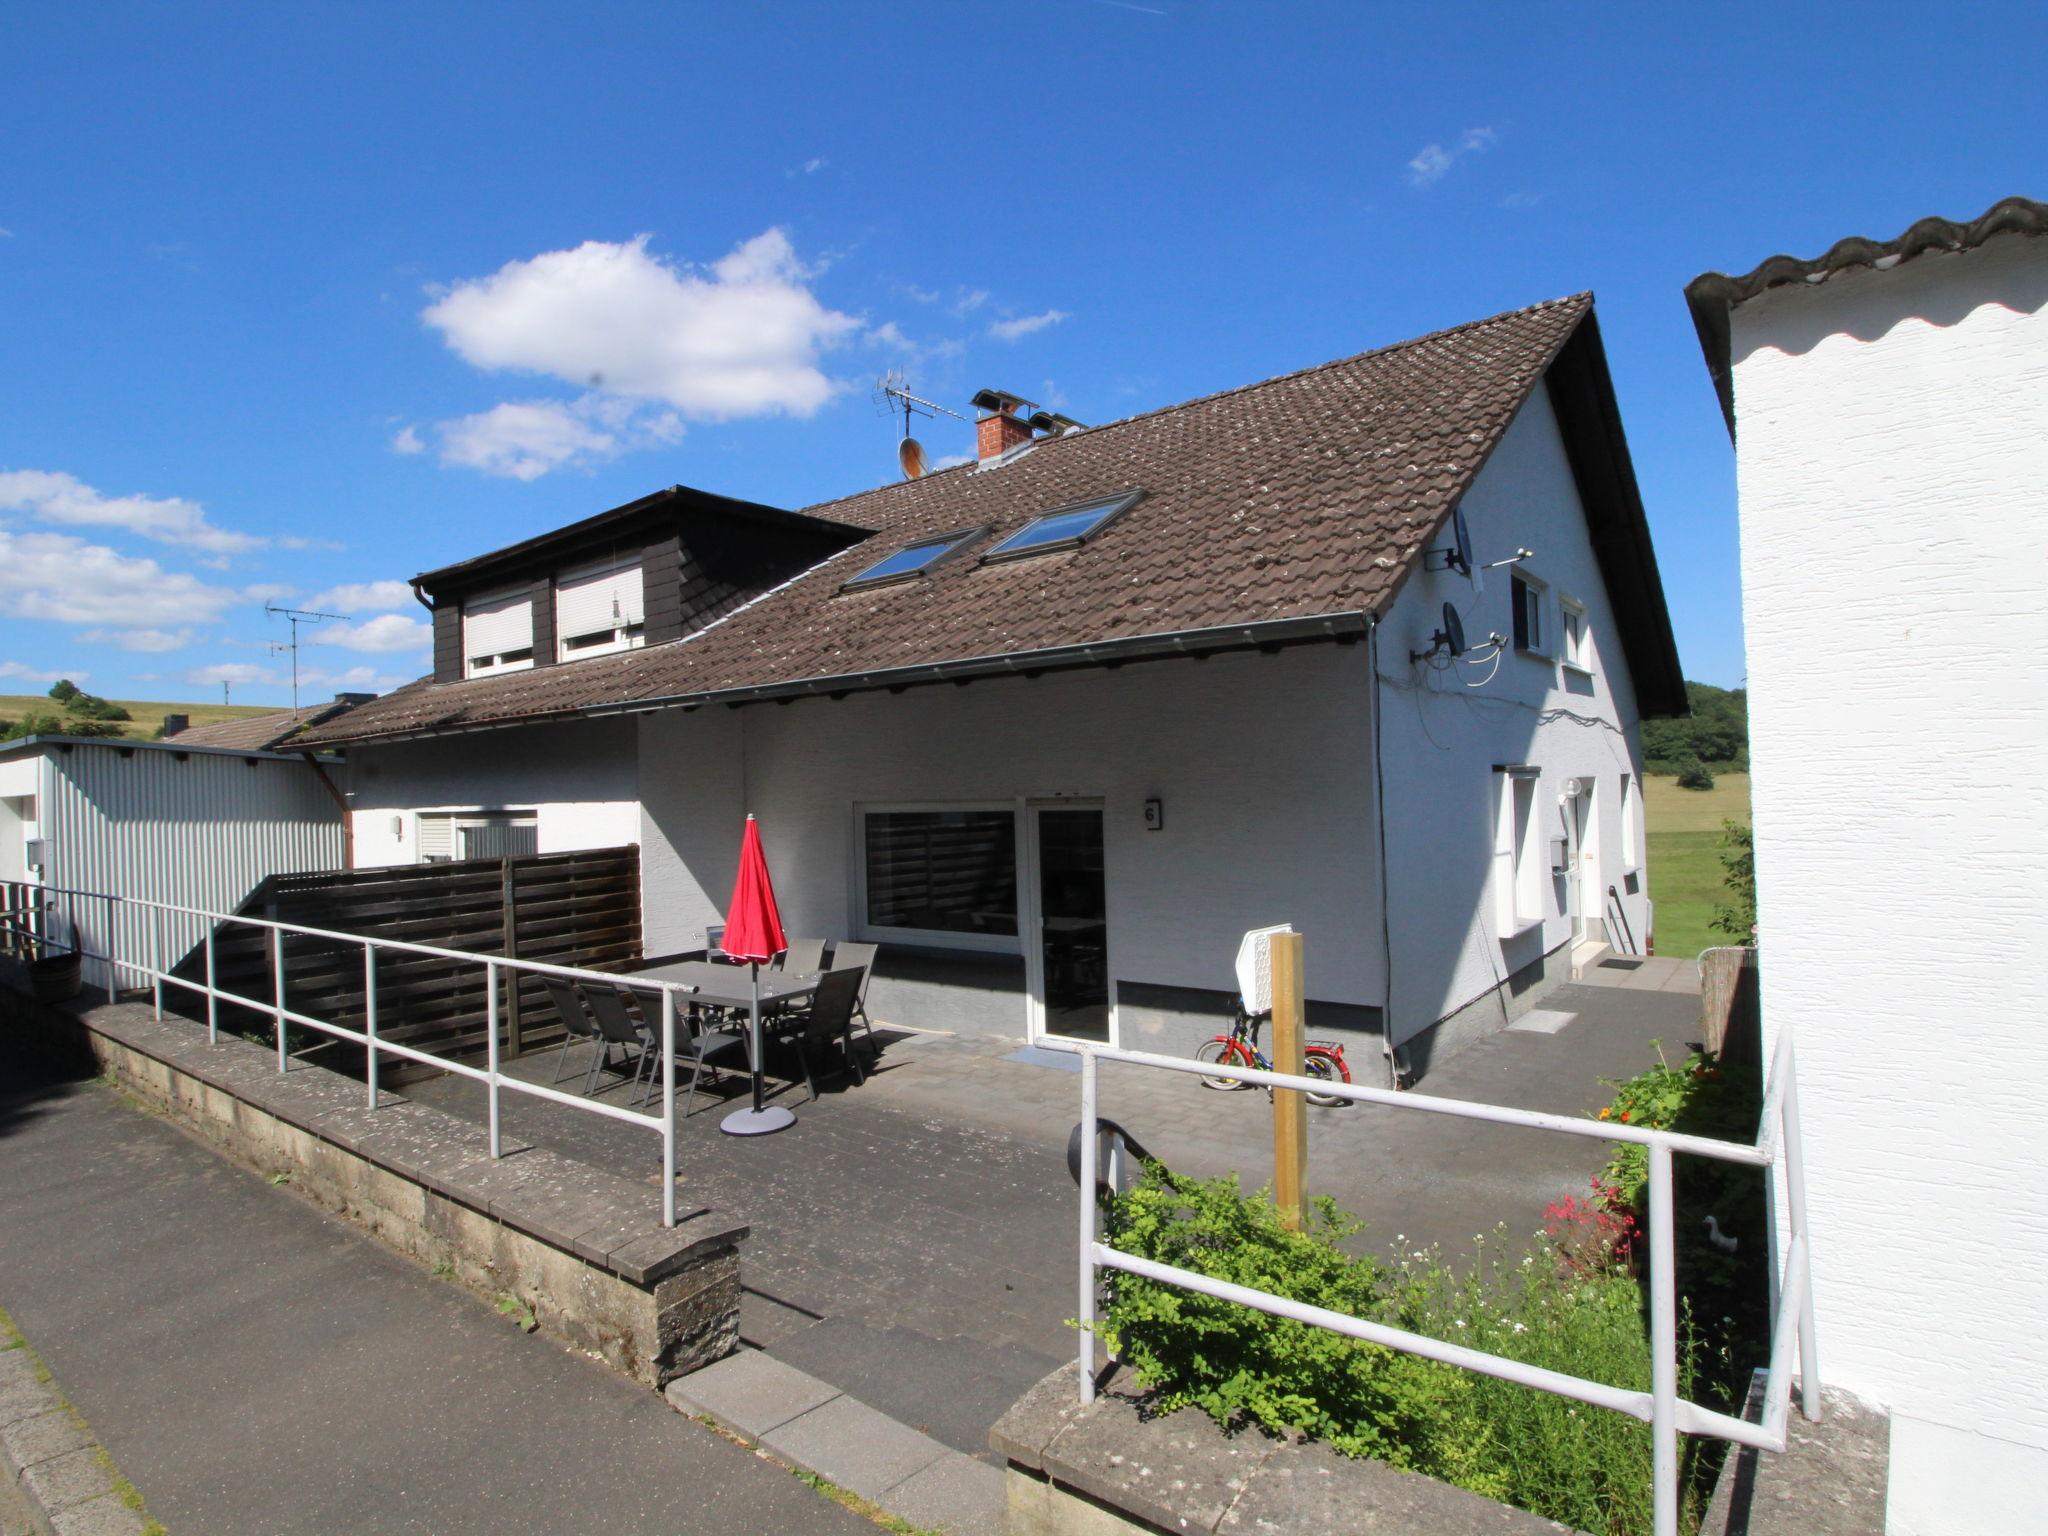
1585	1466
1692	774
1737	915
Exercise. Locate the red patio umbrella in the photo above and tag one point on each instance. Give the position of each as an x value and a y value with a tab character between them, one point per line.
753	933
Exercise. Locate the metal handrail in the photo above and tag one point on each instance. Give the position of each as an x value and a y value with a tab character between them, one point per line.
489	1074
1669	1415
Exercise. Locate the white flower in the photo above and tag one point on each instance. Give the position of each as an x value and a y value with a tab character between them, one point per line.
1459	1321
1521	1327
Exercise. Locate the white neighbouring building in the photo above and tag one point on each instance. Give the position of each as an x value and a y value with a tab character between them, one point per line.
1056	727
1889	405
177	821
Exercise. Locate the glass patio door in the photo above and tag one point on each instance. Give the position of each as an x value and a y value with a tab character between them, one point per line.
1067	930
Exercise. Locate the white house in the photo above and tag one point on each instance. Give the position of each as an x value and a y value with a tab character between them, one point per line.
1056	727
1889	404
180	821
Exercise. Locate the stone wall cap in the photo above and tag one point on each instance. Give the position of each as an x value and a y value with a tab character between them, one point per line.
1181	1472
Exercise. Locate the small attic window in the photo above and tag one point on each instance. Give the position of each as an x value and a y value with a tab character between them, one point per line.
914	559
1068	528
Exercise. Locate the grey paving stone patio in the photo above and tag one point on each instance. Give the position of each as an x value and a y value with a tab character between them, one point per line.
914	1238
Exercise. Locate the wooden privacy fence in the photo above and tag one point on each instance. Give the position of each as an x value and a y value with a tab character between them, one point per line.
577	909
1731	1023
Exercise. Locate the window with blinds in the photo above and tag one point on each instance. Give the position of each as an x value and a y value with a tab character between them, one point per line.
497	633
599	610
947	875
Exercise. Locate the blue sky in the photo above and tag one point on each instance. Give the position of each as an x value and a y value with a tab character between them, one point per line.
296	302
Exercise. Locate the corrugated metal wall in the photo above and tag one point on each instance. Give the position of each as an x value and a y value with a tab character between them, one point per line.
201	832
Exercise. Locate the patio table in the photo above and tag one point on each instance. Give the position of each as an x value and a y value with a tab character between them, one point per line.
729	986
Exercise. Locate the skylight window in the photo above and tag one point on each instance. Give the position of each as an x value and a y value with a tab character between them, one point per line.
915	559
1067	528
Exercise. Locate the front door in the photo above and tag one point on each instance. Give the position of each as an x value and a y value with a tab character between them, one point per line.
1585	860
1067	929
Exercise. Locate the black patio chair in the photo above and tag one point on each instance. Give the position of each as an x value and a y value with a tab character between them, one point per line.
828	1018
617	1026
709	1040
860	957
570	1004
804	957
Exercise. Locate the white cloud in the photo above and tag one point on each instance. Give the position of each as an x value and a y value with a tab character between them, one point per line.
1432	161
17	672
1025	325
810	167
54	497
970	299
146	640
300	541
354	679
388	632
365	597
407	440
57	576
952	460
240	673
524	439
740	338
919	295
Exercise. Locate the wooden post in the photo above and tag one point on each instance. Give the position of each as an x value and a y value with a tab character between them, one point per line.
1290	1110
513	1033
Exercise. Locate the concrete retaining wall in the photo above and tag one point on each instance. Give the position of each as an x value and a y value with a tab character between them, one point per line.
582	1248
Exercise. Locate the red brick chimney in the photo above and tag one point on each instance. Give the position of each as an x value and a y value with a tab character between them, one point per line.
1002	428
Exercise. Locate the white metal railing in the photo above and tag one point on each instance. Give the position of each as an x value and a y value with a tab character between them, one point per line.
490	1074
1669	1415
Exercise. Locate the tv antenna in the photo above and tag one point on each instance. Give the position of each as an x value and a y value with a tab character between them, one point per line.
891	396
296	617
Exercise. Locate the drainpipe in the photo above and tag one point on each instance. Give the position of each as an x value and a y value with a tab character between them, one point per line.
1395	1068
348	823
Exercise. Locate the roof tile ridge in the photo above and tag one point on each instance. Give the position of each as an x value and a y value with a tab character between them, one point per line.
1583	299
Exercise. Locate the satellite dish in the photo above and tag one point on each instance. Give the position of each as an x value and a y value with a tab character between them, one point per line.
1450	638
1457	555
911	456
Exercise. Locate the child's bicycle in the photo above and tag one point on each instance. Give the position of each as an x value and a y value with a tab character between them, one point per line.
1240	1048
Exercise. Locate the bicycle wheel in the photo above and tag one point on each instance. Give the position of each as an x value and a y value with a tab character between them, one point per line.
1224	1051
1321	1064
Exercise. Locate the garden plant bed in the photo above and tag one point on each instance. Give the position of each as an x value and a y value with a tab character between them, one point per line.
1571	1299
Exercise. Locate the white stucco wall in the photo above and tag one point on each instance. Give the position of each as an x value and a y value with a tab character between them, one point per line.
1892	452
1260	762
579	779
1445	729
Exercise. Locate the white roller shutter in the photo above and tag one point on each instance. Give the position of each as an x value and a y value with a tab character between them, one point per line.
599	610
495	628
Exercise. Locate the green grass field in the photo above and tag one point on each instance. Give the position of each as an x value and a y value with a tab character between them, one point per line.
148	713
1683	829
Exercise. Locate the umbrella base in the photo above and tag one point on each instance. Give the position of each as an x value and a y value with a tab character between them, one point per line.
757	1122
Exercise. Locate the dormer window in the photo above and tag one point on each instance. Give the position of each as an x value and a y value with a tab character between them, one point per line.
1068	528
497	633
598	610
914	559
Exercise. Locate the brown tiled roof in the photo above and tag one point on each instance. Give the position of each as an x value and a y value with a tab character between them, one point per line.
1303	498
256	733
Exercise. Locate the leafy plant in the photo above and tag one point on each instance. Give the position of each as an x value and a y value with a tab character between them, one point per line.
1244	1368
1737	915
516	1308
1692	774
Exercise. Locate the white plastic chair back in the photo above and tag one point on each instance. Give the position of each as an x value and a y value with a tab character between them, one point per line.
1255	969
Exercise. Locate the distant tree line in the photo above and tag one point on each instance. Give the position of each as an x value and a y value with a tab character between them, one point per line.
78	713
1713	739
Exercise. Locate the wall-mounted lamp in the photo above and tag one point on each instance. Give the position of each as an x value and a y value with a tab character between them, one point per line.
1155	814
398	829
